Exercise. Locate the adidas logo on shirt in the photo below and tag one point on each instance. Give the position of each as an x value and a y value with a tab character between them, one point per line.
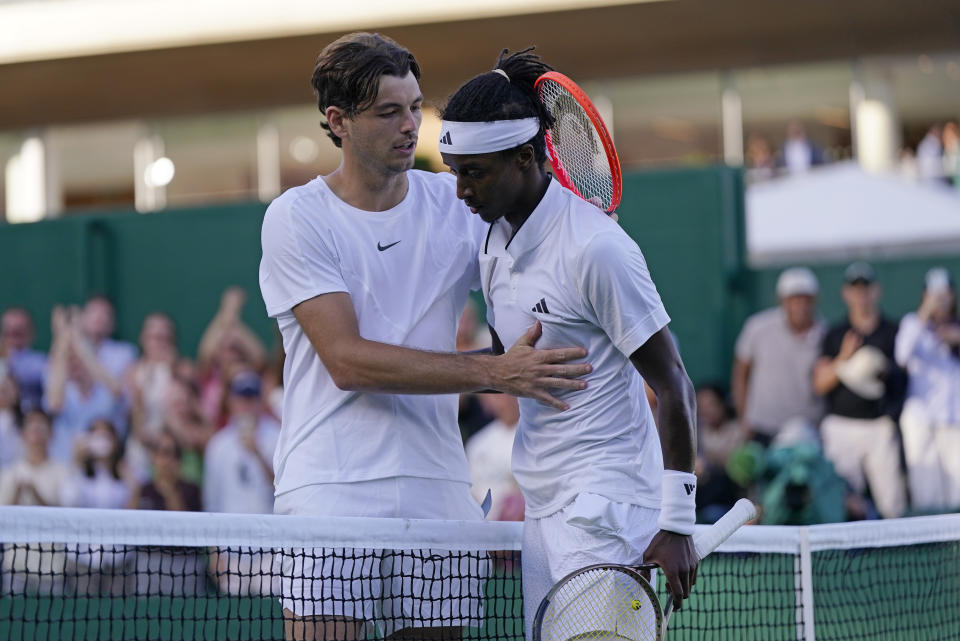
541	307
446	139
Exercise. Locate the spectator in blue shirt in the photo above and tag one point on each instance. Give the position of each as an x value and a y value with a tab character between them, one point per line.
25	364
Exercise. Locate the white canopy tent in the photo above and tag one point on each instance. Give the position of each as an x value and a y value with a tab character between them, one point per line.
840	212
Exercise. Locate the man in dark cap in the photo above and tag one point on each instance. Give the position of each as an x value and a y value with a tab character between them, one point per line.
863	389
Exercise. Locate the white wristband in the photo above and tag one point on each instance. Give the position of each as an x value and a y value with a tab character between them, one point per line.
678	505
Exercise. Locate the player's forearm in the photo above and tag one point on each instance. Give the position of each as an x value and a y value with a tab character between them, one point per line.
370	366
677	410
659	362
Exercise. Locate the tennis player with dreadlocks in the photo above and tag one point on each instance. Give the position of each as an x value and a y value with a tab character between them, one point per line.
593	477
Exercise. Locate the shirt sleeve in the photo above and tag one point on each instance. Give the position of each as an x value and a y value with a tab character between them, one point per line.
297	264
745	348
908	342
618	293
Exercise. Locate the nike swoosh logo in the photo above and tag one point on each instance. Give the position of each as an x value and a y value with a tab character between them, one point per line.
386	247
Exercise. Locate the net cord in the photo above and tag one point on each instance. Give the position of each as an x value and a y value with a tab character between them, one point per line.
79	525
197	529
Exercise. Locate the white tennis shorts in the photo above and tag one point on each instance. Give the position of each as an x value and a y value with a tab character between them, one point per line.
590	530
389	590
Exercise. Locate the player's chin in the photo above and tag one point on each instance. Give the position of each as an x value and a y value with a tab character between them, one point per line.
397	168
401	165
488	216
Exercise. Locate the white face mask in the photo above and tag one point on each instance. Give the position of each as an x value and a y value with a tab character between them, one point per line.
99	445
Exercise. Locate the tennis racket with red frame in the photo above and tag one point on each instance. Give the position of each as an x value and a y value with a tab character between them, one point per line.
579	145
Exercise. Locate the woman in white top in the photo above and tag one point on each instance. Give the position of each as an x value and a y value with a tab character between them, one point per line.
100	480
928	347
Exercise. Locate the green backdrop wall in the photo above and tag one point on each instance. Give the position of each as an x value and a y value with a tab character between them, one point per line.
688	222
178	262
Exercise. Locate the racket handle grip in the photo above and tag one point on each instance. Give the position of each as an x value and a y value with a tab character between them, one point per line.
708	540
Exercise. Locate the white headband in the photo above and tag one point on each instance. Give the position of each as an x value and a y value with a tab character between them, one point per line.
484	137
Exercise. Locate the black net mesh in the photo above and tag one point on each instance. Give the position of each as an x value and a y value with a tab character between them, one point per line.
903	592
111	591
742	597
56	591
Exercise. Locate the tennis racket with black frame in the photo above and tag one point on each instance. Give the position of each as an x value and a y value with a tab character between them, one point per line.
608	602
579	146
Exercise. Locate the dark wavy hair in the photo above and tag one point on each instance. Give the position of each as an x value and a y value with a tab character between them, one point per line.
490	96
348	71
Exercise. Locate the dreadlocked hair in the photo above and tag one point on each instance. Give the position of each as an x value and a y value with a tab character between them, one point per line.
490	96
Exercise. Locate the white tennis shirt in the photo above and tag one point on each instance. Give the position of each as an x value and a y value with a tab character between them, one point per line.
408	271
587	282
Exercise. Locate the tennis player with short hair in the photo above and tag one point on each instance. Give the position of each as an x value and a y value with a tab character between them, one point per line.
366	271
593	476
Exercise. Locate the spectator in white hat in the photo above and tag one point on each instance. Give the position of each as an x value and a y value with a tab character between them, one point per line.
774	359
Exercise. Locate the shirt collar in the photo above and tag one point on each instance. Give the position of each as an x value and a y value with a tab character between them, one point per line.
531	233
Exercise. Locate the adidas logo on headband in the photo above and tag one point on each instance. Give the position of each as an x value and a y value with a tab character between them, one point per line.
488	136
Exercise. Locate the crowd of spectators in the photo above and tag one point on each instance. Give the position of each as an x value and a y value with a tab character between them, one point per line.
936	158
819	423
933	160
98	422
858	419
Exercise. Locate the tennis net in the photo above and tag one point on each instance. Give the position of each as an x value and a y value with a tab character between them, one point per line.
887	580
101	574
93	574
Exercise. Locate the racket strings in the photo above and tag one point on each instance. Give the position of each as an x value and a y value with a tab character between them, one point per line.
599	605
576	147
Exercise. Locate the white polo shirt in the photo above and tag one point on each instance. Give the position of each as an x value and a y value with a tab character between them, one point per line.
587	282
233	479
408	271
934	371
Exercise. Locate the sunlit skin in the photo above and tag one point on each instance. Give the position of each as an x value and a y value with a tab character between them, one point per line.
506	184
98	320
157	338
36	436
800	311
16	330
861	298
379	145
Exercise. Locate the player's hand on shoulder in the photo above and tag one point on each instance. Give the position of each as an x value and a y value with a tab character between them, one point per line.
526	371
676	556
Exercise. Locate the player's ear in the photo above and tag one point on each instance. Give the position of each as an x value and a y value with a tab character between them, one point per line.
335	120
526	158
